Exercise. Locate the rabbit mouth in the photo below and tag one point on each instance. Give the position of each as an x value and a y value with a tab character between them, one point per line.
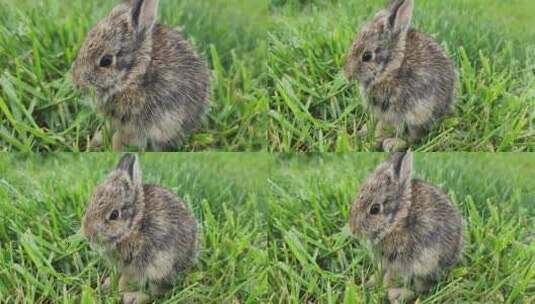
376	237
100	242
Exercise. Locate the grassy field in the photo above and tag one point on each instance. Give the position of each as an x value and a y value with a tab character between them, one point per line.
276	75
314	259
272	227
313	108
44	259
39	40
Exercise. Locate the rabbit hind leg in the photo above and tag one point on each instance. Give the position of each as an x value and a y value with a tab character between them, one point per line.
416	133
400	295
123	139
422	285
135	298
158	289
425	283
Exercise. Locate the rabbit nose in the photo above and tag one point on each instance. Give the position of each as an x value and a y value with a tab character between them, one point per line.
349	70
353	227
87	229
79	77
76	80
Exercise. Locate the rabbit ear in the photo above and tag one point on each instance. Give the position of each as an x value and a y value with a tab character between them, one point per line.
402	168
129	164
144	13
401	15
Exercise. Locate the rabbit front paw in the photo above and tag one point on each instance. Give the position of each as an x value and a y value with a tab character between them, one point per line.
107	284
363	132
95	143
135	298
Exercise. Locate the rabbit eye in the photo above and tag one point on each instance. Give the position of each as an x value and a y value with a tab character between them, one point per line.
367	56
114	215
375	209
106	61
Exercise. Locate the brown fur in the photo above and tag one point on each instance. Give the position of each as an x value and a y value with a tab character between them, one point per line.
410	82
417	233
153	238
156	90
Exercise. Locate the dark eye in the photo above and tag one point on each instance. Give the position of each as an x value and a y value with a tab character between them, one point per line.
106	61
114	215
375	209
367	56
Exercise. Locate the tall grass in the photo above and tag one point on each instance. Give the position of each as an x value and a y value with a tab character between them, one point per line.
272	227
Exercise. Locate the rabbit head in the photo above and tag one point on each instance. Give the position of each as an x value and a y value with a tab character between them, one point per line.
380	45
117	50
116	205
384	198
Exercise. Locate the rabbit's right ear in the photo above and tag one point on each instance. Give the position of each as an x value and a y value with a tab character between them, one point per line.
402	168
143	16
130	164
400	15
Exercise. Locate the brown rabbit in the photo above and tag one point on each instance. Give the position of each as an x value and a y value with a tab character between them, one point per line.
412	226
145	230
149	82
406	78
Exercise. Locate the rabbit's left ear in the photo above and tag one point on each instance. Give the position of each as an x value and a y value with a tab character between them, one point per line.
401	15
402	168
144	14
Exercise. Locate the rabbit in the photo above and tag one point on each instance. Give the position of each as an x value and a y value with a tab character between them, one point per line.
148	80
146	230
413	228
406	79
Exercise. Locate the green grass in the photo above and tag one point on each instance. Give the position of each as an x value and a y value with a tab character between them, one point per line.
314	259
273	227
39	40
276	75
313	108
43	258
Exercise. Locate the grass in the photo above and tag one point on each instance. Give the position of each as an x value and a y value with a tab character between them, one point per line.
39	40
313	108
272	226
314	259
43	258
276	75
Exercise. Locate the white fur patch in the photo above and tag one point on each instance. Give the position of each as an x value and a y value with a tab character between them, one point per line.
420	114
427	262
167	128
161	266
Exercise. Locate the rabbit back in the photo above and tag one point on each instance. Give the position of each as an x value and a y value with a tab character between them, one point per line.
421	91
431	239
170	100
166	242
